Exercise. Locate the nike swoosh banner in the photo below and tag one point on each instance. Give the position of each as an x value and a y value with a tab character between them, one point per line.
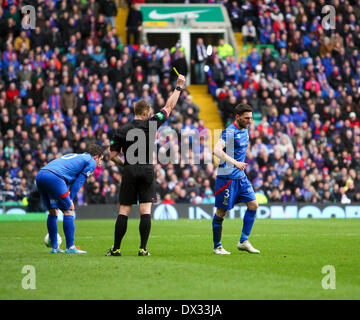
171	13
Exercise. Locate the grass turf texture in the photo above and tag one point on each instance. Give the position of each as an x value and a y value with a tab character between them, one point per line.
182	266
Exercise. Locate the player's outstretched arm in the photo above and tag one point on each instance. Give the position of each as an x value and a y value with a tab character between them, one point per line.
172	101
220	153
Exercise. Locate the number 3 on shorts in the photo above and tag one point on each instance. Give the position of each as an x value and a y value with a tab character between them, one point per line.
226	196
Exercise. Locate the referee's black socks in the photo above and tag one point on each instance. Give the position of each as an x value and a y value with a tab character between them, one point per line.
120	230
144	228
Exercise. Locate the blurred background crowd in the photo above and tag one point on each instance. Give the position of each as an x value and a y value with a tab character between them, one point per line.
71	81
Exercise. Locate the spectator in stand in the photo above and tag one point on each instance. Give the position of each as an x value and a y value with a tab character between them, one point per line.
180	64
248	31
182	198
134	24
95	196
94	98
199	59
109	9
112	197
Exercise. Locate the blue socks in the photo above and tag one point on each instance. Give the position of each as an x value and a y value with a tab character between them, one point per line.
69	230
52	230
217	228
249	219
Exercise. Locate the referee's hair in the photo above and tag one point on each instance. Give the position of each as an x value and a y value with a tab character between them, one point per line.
141	106
95	150
241	108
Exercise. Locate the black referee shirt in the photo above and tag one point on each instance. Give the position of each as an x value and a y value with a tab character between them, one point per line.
136	139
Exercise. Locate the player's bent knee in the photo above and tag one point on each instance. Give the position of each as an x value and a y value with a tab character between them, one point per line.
253	205
68	213
221	212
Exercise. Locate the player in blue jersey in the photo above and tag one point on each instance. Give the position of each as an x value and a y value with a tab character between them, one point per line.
58	183
232	185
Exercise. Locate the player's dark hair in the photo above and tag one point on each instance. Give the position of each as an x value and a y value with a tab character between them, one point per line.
241	108
141	106
95	150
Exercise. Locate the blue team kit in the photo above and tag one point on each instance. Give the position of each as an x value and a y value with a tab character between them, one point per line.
232	186
58	176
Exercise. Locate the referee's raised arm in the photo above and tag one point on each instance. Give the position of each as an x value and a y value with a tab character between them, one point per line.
171	102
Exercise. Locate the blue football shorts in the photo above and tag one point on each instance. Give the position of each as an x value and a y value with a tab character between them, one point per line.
228	192
54	190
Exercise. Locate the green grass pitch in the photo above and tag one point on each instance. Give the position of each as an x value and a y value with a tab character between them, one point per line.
182	266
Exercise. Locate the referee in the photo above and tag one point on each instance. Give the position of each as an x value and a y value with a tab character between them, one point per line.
138	180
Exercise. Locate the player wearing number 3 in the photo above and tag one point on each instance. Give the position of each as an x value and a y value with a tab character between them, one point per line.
58	183
232	186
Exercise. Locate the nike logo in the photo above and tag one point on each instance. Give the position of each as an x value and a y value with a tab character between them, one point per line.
163	16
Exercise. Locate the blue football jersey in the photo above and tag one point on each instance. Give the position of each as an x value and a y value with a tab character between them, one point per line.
236	144
71	165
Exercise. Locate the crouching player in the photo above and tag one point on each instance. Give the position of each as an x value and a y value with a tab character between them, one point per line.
54	181
232	186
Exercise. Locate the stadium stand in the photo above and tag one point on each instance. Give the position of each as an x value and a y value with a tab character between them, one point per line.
72	81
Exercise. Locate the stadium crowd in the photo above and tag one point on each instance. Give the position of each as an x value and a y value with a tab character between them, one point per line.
72	82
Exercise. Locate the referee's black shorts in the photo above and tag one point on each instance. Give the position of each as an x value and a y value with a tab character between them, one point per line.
137	184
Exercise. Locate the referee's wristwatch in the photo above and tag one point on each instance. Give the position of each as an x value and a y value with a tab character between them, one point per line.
178	88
